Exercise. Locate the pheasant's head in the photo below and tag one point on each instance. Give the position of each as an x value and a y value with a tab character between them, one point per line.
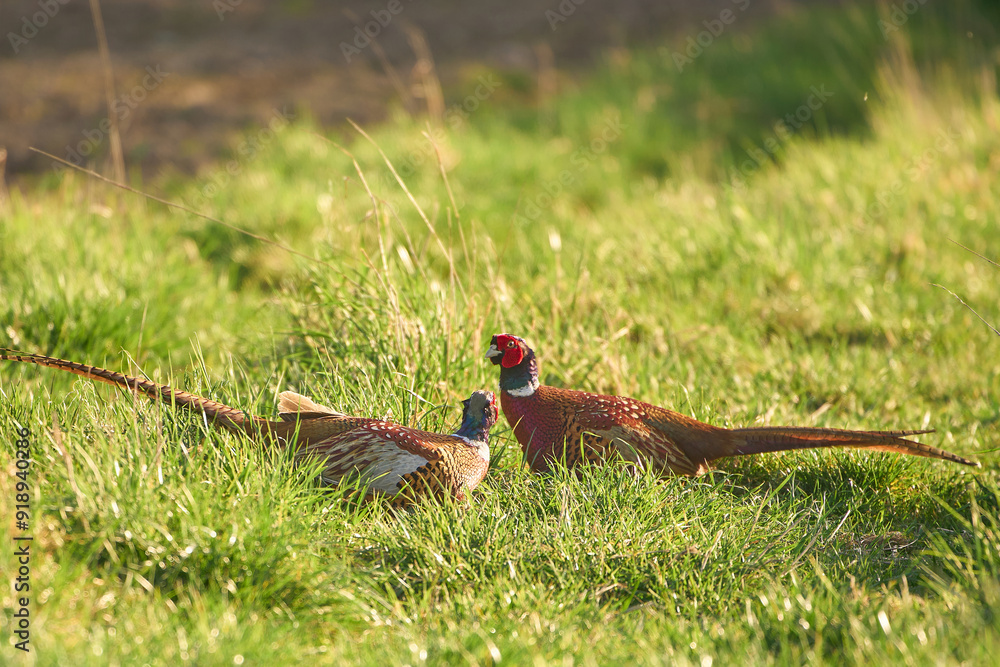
479	414
480	410
507	351
518	368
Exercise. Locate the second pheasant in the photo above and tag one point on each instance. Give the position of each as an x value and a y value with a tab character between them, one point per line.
554	424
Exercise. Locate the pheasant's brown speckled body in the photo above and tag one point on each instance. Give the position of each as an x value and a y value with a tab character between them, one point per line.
401	463
595	426
554	424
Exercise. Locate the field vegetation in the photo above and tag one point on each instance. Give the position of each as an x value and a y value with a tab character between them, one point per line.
687	236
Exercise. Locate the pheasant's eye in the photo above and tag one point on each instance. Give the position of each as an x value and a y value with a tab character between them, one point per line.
511	344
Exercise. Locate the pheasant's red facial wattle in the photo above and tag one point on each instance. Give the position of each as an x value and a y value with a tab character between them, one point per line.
512	353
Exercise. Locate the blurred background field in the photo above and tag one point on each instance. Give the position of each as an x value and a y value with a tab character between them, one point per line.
741	216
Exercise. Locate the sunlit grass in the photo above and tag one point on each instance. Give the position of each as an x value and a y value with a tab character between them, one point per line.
800	292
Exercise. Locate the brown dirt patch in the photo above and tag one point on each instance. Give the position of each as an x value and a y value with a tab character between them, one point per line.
223	71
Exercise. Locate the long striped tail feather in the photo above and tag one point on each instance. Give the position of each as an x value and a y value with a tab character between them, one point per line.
217	413
758	440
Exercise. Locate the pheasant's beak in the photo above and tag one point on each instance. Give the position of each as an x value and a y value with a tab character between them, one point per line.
493	353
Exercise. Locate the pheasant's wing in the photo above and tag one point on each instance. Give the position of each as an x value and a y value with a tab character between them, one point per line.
639	432
692	444
382	453
455	468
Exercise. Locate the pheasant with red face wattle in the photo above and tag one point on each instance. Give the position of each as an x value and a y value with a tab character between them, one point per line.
386	459
554	424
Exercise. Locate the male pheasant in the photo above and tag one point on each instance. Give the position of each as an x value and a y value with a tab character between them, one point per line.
565	425
400	463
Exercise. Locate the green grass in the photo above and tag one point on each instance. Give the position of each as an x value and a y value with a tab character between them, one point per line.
797	293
